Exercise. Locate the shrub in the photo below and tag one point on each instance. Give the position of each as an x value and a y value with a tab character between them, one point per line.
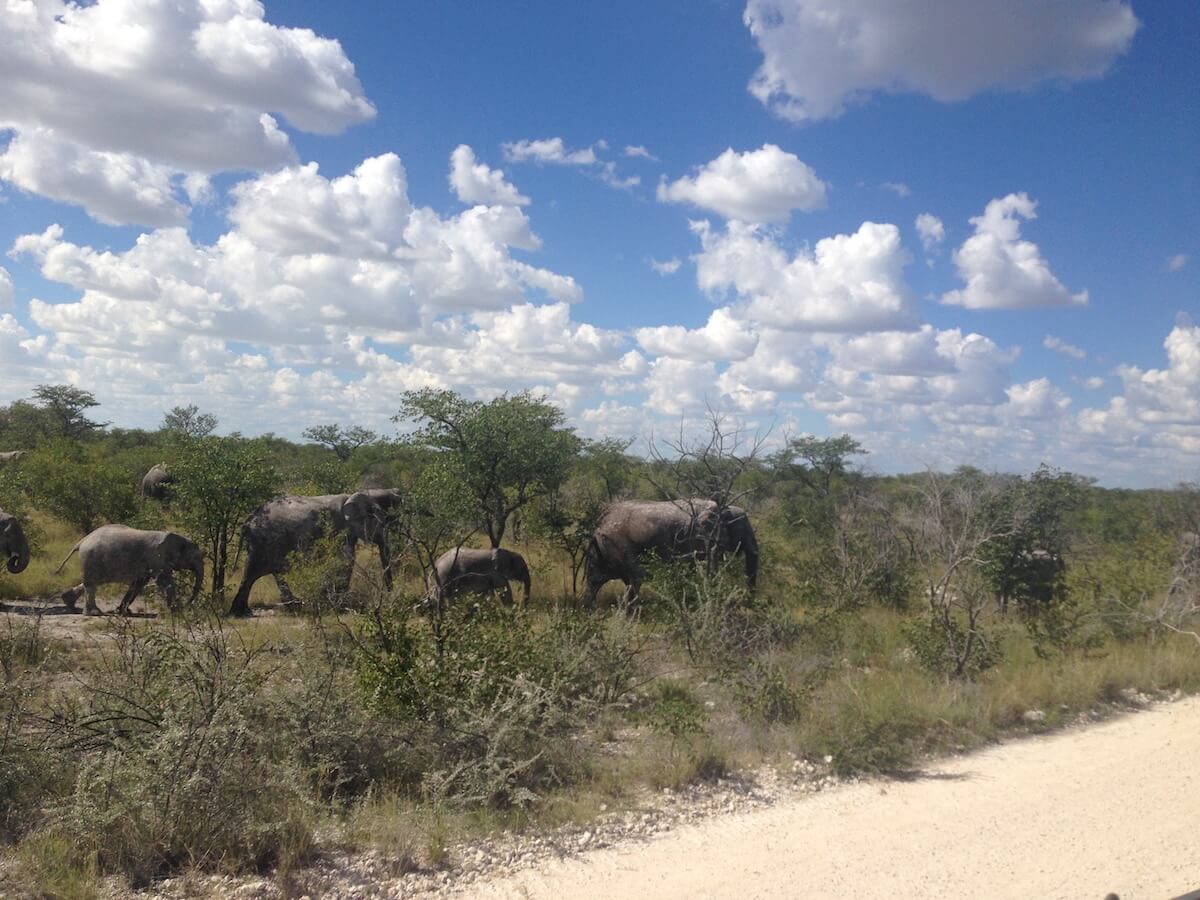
176	769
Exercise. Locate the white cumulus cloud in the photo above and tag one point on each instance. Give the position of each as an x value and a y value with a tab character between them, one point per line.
666	266
6	290
722	338
821	55
1002	271
112	102
548	150
931	230
1058	345
475	182
763	185
847	283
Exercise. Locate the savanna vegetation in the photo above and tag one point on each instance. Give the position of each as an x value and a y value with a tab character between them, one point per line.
893	617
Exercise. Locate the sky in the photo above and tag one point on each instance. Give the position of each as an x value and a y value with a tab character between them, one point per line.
962	231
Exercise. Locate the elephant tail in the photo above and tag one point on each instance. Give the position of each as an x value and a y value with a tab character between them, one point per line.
63	564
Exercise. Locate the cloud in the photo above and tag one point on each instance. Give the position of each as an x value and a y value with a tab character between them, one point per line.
675	386
1177	262
1002	271
1092	382
306	259
114	188
548	150
7	294
133	95
609	175
475	182
899	188
763	185
848	283
1058	345
819	56
931	231
638	151
665	267
722	338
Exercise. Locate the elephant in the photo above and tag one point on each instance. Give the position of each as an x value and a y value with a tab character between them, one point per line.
14	548
156	485
118	553
291	523
362	509
11	456
672	529
465	570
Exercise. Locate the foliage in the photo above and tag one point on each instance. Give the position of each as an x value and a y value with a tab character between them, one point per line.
503	702
79	484
189	422
219	481
1025	565
342	441
176	770
503	453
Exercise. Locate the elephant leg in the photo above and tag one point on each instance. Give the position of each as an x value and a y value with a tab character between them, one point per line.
70	597
166	583
241	600
131	594
90	608
506	596
285	590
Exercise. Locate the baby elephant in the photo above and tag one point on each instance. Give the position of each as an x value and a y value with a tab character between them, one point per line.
468	571
117	553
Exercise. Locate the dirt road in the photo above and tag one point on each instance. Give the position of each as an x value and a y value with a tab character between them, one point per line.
1111	808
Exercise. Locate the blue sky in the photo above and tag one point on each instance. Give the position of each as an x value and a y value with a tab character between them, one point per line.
196	259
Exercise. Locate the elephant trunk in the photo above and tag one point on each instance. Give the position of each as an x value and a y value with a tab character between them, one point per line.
526	583
197	581
750	551
18	562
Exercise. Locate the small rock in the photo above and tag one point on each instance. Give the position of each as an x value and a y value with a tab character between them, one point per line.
1033	717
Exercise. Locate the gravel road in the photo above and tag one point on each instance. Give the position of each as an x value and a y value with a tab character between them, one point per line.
1078	814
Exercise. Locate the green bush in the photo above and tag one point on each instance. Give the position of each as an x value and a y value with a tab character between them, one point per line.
175	767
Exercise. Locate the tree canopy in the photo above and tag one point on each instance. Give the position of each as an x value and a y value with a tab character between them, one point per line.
502	453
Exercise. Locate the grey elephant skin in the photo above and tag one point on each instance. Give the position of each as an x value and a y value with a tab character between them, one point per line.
466	570
14	548
119	554
156	485
669	529
291	523
11	456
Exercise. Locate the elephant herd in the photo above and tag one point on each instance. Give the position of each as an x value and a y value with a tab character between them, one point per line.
625	534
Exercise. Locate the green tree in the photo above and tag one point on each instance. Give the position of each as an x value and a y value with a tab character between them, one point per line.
65	407
1026	566
219	482
568	515
822	460
83	488
502	454
342	442
188	421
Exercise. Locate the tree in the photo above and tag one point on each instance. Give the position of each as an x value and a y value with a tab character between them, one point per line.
825	459
188	421
65	405
84	489
342	442
1026	566
219	482
502	454
951	523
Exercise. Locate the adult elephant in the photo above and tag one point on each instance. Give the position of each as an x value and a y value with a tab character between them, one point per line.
670	529
14	548
291	523
156	485
118	553
465	570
